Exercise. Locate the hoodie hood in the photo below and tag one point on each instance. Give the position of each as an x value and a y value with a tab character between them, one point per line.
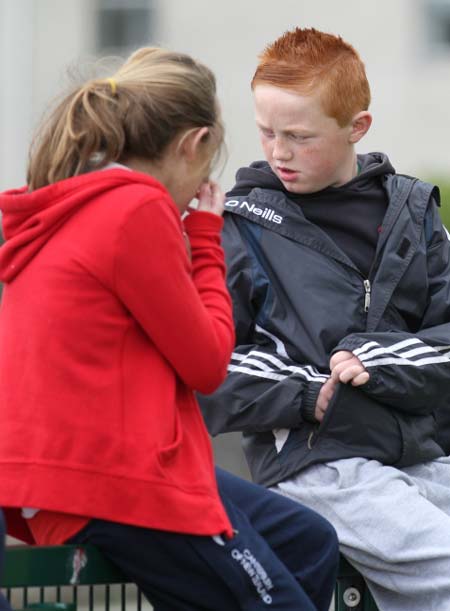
31	218
259	174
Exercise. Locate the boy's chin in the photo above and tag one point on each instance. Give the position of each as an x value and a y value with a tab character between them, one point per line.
296	187
302	188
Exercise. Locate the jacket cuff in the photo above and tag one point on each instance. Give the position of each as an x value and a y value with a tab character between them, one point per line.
350	343
200	221
309	401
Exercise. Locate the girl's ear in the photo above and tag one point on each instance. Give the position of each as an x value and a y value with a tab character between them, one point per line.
191	141
361	123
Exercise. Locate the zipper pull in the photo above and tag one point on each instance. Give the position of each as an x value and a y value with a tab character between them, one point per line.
367	295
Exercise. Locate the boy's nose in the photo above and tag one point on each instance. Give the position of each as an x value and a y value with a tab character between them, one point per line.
281	151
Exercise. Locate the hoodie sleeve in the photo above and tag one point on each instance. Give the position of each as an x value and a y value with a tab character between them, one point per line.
411	372
264	389
184	308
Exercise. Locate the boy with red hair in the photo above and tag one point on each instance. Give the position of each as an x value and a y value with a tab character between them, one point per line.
339	270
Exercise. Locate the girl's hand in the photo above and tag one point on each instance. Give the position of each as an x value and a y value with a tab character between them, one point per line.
211	198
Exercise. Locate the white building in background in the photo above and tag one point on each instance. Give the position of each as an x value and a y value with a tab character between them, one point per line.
405	45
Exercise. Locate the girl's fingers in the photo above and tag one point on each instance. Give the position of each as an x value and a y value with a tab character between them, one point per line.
204	193
211	198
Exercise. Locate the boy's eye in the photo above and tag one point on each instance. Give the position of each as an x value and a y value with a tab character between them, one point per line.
298	137
267	133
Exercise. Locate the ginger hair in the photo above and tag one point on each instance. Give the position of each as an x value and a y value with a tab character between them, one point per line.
155	95
308	61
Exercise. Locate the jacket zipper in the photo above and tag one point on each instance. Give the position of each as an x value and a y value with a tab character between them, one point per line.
367	294
367	289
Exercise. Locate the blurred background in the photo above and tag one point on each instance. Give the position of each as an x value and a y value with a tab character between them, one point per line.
405	45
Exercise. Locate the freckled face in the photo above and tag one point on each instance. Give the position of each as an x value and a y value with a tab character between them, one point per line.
306	148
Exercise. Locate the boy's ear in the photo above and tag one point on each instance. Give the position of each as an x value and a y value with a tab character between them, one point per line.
191	141
361	123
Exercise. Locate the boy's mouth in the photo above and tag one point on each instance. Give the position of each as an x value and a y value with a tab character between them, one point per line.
286	174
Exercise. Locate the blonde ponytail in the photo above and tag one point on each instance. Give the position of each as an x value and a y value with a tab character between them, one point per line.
137	112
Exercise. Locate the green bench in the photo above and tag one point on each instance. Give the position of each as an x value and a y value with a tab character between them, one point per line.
351	592
70	568
65	577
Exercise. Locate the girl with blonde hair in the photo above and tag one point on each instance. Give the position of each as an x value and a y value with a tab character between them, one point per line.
114	313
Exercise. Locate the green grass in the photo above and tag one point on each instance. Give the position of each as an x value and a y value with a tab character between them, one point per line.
443	182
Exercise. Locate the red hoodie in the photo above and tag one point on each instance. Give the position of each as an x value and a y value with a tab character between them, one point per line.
106	329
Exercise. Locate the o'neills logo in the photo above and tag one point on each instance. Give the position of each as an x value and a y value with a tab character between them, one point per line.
266	213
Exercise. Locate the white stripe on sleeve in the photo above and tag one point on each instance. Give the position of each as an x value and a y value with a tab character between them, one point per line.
280	347
402	361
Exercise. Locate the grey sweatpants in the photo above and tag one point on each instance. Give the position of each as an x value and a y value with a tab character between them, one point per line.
393	525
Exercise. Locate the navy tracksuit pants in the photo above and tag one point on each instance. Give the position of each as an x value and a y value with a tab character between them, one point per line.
283	557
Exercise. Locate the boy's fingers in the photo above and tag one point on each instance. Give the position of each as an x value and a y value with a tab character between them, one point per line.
350	373
339	357
342	366
361	379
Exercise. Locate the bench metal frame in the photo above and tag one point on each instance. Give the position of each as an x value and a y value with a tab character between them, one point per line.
83	565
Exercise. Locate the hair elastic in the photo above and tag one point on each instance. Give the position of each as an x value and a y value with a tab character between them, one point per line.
113	84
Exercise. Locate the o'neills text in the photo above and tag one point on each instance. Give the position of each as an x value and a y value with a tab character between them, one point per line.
264	213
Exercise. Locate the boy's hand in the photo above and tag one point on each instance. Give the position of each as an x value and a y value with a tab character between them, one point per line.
346	367
211	198
324	398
